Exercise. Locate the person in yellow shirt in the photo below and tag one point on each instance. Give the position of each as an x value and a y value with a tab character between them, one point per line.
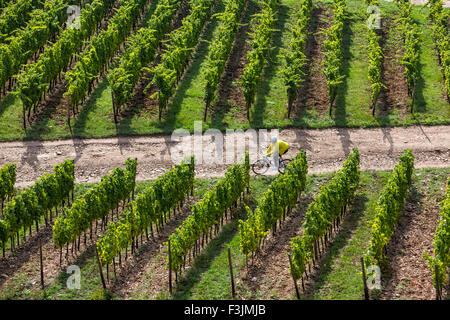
277	148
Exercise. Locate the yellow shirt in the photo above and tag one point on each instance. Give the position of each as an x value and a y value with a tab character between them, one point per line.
279	146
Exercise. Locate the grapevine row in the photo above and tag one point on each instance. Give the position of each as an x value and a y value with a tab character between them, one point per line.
441	36
95	58
208	213
324	214
263	24
177	54
294	56
333	47
389	205
375	60
7	181
39	77
220	48
150	207
410	34
36	201
95	204
15	15
278	200
441	245
140	51
43	25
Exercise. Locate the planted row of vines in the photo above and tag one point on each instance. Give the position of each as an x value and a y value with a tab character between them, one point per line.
151	207
39	78
324	216
31	203
95	204
140	50
208	214
274	205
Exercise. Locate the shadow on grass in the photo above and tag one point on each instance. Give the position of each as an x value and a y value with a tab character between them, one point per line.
232	68
81	119
257	116
191	73
6	102
340	107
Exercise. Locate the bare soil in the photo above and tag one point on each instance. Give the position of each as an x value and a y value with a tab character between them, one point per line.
395	95
408	275
268	269
315	96
326	150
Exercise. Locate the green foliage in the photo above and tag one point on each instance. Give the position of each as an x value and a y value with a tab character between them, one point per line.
182	43
208	211
38	77
388	208
294	56
410	35
282	194
33	202
100	51
140	50
15	15
262	29
7	180
324	210
95	204
149	207
441	37
333	50
221	46
375	60
21	47
441	244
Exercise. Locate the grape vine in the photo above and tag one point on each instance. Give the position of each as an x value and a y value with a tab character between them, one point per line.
324	214
150	207
208	213
276	202
95	204
294	56
36	201
220	49
181	45
389	205
263	24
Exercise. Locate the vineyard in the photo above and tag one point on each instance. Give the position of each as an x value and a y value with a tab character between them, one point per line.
148	67
143	67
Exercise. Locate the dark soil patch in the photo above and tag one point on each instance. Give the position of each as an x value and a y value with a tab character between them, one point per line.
408	275
395	95
230	93
269	272
26	259
313	93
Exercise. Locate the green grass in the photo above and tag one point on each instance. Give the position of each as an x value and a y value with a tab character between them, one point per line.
95	118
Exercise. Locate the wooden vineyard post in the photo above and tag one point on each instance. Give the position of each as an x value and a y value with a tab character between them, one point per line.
366	290
233	292
438	287
170	270
293	278
100	269
41	264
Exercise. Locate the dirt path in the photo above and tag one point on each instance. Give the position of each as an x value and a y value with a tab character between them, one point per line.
326	150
